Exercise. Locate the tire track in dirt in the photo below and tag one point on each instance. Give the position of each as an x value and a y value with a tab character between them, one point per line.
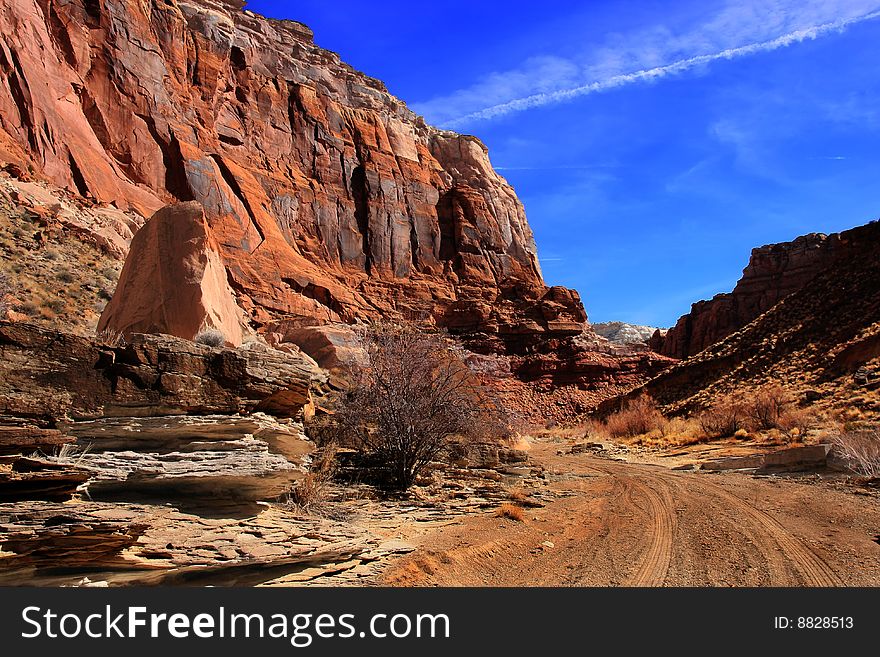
658	556
781	551
813	569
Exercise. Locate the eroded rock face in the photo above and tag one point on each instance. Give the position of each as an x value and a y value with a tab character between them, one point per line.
773	272
328	198
46	377
623	333
174	281
821	342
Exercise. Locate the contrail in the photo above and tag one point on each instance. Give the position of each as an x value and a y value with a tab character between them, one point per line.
537	100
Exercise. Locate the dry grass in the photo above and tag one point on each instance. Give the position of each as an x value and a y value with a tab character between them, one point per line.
860	450
724	418
639	416
310	494
510	511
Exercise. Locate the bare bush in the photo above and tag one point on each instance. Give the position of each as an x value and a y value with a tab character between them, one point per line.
639	416
724	418
796	422
413	394
310	493
860	450
767	407
210	338
110	337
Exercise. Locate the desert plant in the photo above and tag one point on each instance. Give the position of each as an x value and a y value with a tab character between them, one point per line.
796	422
639	416
723	418
5	290
411	396
860	450
511	511
65	276
110	337
210	337
310	493
767	407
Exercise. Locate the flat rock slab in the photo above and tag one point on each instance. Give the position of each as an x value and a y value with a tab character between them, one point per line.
44	543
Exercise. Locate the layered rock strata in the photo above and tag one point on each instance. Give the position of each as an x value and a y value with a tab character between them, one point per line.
327	196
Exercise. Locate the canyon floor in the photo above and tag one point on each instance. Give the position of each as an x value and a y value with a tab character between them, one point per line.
615	523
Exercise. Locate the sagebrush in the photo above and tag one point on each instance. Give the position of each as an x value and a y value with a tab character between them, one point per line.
210	338
412	394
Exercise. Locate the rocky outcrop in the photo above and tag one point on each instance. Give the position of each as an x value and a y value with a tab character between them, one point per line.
46	377
623	333
773	272
174	281
327	197
821	342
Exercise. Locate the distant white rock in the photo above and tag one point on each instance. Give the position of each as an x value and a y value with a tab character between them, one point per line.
624	333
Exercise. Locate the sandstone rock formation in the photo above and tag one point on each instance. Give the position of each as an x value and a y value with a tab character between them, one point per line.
174	281
47	377
773	272
822	341
327	196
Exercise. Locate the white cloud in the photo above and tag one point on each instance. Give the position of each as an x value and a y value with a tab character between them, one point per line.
739	29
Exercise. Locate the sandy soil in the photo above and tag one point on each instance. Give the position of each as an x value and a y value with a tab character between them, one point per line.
613	523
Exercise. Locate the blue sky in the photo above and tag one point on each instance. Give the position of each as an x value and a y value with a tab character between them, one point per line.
653	143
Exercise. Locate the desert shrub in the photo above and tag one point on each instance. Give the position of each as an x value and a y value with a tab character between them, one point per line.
29	308
860	450
510	511
311	492
5	290
767	407
56	305
210	338
65	276
723	418
411	396
796	422
639	416
110	337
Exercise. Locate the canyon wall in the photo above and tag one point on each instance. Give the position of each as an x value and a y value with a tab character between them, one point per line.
774	272
328	198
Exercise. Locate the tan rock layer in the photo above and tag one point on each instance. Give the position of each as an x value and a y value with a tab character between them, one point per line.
48	376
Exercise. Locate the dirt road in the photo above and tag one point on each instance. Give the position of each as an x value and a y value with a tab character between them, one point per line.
625	524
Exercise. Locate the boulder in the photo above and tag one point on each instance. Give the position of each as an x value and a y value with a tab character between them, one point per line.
174	281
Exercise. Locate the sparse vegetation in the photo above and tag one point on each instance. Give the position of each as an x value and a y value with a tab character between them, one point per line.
411	397
5	290
310	493
639	416
210	338
723	418
510	511
860	450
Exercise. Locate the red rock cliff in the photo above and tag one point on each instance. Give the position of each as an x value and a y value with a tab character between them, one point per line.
328	198
774	272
